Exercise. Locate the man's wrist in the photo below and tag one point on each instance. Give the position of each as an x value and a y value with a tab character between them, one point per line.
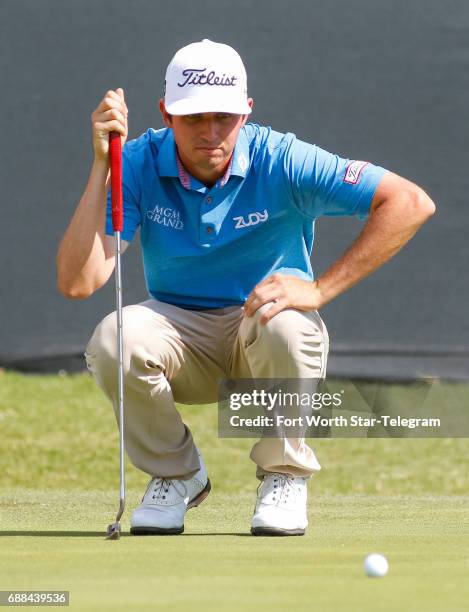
101	162
319	297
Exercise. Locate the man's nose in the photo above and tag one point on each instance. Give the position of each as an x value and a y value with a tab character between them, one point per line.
210	130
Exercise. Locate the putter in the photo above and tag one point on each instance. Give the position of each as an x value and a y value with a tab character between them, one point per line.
115	156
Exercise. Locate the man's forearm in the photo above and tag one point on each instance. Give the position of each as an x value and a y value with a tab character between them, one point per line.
390	226
80	257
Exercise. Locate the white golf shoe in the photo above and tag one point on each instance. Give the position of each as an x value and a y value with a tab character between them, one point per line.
281	506
166	502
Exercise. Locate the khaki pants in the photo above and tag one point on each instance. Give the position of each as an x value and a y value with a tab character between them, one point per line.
176	355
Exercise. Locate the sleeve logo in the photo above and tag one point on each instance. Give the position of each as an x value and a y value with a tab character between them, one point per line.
354	169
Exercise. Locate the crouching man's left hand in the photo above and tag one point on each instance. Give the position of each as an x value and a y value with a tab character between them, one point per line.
285	291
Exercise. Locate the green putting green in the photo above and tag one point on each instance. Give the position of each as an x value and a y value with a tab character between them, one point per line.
407	499
55	540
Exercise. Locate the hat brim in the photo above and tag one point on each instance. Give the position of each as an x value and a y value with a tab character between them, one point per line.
192	106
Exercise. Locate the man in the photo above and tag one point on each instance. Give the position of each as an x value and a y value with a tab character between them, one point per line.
226	211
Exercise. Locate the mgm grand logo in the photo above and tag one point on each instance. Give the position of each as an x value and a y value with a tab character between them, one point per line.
164	215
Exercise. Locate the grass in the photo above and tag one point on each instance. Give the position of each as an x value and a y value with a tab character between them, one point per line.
406	498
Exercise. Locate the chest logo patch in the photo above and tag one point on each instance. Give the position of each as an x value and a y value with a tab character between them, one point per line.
252	219
164	215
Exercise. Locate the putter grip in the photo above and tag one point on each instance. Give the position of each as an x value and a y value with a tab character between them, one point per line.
115	162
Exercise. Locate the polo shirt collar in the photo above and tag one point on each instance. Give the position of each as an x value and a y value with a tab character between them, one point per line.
167	162
167	157
240	163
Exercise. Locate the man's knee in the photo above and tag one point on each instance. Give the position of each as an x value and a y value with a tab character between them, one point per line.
292	344
102	346
285	330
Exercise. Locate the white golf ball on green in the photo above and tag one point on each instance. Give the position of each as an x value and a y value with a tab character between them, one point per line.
376	565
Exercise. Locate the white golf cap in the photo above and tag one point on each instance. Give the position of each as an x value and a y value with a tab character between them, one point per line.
206	77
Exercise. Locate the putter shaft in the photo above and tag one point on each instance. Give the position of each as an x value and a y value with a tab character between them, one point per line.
113	531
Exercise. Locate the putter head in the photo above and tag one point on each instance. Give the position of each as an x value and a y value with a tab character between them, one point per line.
113	531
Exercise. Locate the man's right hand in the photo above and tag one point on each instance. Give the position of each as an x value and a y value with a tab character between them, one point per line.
110	116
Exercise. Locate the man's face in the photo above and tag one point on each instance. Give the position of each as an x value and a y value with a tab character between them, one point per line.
205	141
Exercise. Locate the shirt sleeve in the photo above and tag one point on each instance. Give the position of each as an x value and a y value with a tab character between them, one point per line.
130	200
326	184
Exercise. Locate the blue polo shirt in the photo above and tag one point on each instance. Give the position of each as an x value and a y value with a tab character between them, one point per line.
207	247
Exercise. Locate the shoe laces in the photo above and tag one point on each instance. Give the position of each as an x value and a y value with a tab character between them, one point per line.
158	487
283	485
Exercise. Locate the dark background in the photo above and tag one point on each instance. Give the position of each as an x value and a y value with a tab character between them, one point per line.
386	81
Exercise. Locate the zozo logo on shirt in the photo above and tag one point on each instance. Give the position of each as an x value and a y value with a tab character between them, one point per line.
253	219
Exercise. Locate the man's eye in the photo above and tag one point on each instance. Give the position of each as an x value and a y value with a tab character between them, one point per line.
224	116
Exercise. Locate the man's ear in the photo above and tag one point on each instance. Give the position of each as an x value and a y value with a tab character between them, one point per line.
167	119
250	101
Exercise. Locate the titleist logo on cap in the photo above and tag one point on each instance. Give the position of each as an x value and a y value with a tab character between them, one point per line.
199	76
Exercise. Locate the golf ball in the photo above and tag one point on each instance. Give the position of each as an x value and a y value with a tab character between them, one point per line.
376	566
